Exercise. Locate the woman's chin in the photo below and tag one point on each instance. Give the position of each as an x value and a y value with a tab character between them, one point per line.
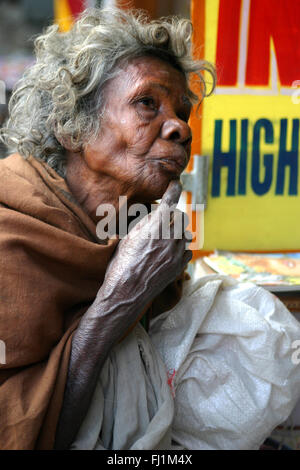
157	188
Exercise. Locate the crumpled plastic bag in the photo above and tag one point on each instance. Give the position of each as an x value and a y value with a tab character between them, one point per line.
231	351
227	352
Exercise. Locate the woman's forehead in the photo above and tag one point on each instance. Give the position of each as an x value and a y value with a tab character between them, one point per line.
151	72
154	66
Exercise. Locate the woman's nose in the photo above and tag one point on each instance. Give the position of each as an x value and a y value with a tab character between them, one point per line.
176	130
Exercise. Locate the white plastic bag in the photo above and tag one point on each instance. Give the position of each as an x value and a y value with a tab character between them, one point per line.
230	345
224	354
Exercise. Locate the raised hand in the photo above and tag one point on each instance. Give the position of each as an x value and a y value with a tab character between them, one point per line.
154	252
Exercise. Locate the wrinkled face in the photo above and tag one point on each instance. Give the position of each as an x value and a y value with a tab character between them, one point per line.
144	140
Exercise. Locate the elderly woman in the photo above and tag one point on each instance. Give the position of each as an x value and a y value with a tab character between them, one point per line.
103	113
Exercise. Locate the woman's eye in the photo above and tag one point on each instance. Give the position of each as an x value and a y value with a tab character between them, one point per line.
146	107
148	103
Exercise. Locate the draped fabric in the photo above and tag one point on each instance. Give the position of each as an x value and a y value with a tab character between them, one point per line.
51	267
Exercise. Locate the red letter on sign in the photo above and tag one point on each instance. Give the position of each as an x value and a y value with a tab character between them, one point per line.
280	21
76	6
228	42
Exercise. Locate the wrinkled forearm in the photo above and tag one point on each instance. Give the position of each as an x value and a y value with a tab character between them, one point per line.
100	329
140	270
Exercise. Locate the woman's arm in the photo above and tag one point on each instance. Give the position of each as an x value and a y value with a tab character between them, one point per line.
100	329
141	268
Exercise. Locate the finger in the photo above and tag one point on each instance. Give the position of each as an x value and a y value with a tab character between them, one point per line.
177	215
187	257
172	193
183	249
188	236
178	224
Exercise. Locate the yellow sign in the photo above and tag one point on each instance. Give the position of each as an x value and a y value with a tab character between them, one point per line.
250	126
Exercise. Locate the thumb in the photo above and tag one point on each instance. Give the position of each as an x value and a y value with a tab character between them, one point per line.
172	194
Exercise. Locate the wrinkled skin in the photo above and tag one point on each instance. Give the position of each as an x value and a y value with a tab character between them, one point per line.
143	267
142	148
144	140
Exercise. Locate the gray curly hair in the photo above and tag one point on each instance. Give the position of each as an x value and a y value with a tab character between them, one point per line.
61	97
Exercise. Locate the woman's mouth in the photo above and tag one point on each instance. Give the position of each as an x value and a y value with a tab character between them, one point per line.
172	164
